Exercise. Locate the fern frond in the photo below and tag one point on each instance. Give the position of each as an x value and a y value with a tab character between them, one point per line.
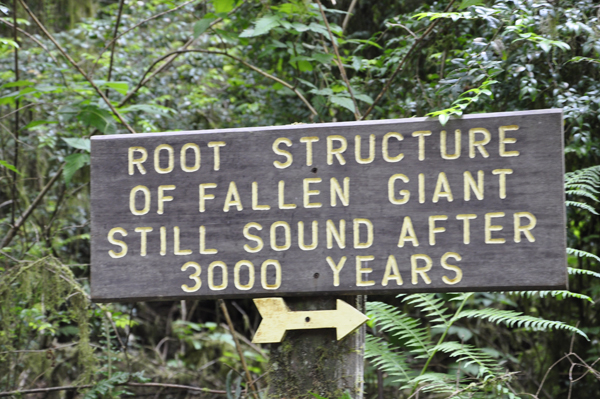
581	205
582	186
582	193
462	296
582	254
560	294
574	271
588	174
383	356
512	318
438	382
432	306
407	329
468	355
583	183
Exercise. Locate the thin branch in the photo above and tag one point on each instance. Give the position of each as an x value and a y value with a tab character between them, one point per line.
41	350
114	39
548	372
175	386
347	18
131	384
16	154
19	109
15	227
400	66
173	56
29	35
239	348
405	28
112	50
339	62
247	341
76	66
254	68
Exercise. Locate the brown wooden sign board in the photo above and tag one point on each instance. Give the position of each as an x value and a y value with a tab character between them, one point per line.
337	208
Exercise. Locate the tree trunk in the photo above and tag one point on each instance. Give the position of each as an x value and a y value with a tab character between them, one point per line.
314	361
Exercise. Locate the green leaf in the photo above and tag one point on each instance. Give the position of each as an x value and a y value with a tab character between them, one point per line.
9	166
587	59
223	6
323	58
444	118
201	26
9	42
263	25
468	3
288	8
364	97
32	125
79	143
305	66
149	108
345	102
99	118
73	163
120	87
18	83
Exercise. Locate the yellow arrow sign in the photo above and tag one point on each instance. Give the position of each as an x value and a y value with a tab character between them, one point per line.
278	318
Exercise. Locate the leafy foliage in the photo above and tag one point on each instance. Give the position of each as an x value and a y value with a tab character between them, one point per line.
227	63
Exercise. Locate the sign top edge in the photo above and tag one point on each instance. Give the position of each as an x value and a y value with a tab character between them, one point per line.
315	125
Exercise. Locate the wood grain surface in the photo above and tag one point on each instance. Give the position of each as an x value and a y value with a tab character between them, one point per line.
298	210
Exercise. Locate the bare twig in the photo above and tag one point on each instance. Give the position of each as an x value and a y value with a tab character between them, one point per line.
339	62
405	28
172	56
247	341
114	42
548	372
402	63
29	35
19	109
42	45
42	350
239	348
347	18
114	39
254	68
131	384
175	386
76	66
15	227
16	154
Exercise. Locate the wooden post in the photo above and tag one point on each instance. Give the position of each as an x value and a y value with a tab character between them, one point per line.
314	361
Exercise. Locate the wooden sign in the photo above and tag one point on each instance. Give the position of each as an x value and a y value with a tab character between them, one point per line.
278	318
337	208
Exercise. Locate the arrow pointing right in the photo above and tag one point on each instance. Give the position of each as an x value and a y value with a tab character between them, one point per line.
278	318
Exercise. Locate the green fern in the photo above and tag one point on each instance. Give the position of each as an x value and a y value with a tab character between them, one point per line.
468	354
432	381
582	254
574	271
583	183
559	294
433	307
408	330
582	193
512	318
386	359
581	205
